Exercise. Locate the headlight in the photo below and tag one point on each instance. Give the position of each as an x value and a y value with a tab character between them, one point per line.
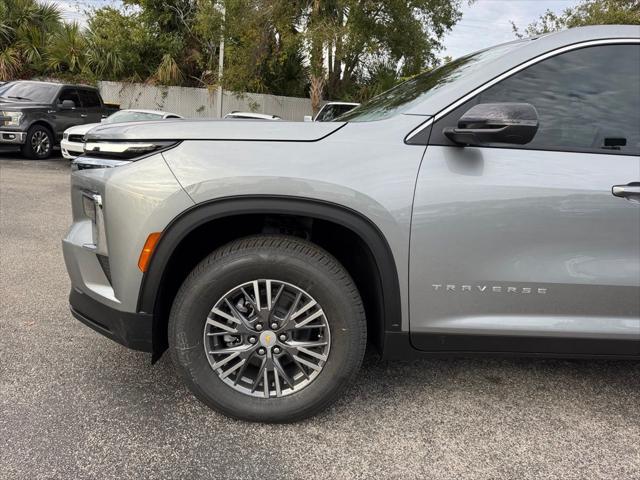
109	154
125	150
65	136
11	119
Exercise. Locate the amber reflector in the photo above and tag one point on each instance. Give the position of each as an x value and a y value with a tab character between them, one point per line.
147	250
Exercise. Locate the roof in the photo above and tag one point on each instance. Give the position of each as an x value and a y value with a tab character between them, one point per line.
152	112
342	103
61	84
249	115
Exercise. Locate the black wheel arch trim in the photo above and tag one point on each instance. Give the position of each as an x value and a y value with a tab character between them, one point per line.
39	122
202	213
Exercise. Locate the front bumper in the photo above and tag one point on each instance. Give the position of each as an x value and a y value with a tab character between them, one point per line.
133	330
12	137
71	150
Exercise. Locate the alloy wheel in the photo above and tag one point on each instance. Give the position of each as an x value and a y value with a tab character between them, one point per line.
267	338
40	143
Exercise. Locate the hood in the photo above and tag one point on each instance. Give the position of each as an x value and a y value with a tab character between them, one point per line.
20	105
81	129
231	130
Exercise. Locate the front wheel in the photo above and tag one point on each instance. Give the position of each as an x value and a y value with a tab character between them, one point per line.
39	143
268	328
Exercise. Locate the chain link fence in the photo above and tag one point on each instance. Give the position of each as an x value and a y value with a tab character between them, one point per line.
201	102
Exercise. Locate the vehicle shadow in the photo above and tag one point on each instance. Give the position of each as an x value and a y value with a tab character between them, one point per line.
419	387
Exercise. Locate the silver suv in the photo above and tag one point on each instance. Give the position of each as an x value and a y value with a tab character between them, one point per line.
490	206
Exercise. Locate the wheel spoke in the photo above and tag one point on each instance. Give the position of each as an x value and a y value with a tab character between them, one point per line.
225	360
309	364
304	372
227	328
256	293
265	382
222	351
277	297
297	344
277	382
225	315
303	309
256	382
279	369
310	318
232	369
313	354
239	316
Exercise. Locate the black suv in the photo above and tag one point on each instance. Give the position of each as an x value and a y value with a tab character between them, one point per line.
34	115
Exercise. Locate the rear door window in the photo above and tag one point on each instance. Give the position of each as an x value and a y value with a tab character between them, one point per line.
89	98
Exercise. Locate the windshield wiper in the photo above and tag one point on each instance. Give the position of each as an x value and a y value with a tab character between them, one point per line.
17	97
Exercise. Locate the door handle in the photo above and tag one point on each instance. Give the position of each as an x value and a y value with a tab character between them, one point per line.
84	115
626	191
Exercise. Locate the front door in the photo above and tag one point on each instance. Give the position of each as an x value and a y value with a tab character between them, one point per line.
66	118
526	248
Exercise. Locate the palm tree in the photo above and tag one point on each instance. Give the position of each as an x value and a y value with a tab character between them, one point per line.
25	29
168	72
9	64
67	50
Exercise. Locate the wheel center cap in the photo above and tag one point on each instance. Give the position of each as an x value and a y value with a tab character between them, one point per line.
268	339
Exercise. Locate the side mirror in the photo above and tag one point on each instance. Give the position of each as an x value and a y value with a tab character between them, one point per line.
308	118
67	105
487	123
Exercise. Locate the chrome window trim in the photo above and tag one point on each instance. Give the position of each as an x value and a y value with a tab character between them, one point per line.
513	71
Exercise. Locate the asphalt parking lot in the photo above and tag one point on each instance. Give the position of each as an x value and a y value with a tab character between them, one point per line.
76	405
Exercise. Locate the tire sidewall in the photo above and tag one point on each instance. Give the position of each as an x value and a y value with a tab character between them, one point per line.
203	290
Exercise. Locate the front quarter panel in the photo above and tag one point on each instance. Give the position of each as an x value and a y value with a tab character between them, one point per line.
365	167
139	198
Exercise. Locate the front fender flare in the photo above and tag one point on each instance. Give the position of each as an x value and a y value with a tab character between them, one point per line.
202	213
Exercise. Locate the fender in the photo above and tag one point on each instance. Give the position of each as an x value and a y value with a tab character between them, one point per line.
200	214
45	123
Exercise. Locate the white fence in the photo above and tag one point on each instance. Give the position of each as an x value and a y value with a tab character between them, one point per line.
201	102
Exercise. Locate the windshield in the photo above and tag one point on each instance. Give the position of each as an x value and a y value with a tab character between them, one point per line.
132	116
332	111
28	91
404	96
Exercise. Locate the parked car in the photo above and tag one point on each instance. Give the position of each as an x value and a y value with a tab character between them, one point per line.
488	206
250	116
330	111
72	144
33	115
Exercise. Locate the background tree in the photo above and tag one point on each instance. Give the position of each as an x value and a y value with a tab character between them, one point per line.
26	28
337	49
351	42
587	12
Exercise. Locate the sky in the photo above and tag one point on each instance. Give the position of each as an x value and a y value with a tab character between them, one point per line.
487	22
484	23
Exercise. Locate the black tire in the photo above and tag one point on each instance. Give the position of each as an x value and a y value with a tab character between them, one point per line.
285	259
38	135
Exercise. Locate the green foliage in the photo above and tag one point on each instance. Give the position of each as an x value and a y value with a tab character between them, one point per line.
26	28
66	51
120	45
587	12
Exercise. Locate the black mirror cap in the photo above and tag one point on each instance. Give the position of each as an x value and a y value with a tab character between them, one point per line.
68	105
490	123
